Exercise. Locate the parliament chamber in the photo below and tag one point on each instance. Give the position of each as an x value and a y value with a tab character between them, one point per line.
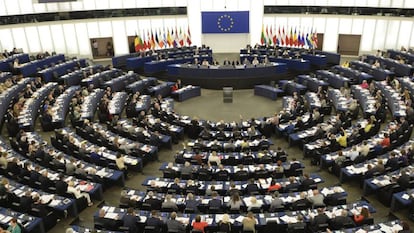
116	117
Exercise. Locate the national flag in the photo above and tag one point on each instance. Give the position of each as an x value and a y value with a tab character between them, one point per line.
283	37
295	38
138	43
270	35
308	40
169	41
181	38
188	36
174	36
267	34
262	37
274	38
315	39
160	39
144	40
152	40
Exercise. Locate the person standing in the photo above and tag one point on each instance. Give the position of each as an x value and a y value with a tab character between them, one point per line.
95	46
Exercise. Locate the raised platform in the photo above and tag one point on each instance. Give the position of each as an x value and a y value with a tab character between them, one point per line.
217	77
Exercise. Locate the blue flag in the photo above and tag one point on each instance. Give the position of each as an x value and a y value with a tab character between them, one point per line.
225	22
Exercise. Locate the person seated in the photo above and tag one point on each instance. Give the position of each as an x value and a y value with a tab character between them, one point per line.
405	227
392	161
292	184
277	202
274	186
214	159
155	221
169	203
249	222
317	200
77	193
174	225
306	182
251	187
364	84
131	220
153	201
385	143
362	216
205	63
191	203
320	218
235	202
302	203
198	224
224	225
255	61
254	204
341	221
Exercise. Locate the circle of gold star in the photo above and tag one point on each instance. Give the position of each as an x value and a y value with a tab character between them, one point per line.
225	28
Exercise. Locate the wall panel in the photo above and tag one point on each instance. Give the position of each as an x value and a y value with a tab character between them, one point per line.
58	38
70	38
119	39
34	41
330	41
380	32
83	39
6	39
404	34
19	37
391	36
46	39
368	36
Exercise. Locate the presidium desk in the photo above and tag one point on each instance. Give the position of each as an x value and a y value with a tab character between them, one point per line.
217	77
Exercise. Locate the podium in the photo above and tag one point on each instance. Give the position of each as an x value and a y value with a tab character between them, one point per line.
227	94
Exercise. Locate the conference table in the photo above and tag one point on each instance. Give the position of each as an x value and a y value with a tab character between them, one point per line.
119	83
117	103
141	85
163	89
335	80
222	186
30	110
311	83
318	60
186	93
395	103
267	91
400	69
79	229
402	200
75	77
31	68
54	72
262	219
97	78
162	65
29	223
294	64
90	104
11	93
355	75
378	74
289	87
61	106
136	63
406	55
217	77
6	64
331	58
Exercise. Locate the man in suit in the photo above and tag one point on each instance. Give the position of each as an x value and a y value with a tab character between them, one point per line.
26	202
302	203
319	219
251	187
392	162
341	221
131	221
174	225
307	182
61	185
155	221
404	179
153	201
292	185
215	202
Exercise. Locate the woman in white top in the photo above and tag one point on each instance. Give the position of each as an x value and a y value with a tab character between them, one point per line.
254	204
235	202
214	158
77	193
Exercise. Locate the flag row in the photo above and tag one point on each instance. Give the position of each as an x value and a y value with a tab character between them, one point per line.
289	37
162	38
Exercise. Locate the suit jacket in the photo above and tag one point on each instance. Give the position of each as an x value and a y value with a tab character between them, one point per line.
131	221
340	221
26	204
319	219
216	203
155	222
306	183
299	203
61	187
155	203
251	188
176	226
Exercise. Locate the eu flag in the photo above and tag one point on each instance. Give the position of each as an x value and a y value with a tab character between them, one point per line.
225	22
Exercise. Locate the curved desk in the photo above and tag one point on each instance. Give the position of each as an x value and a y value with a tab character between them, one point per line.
217	77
